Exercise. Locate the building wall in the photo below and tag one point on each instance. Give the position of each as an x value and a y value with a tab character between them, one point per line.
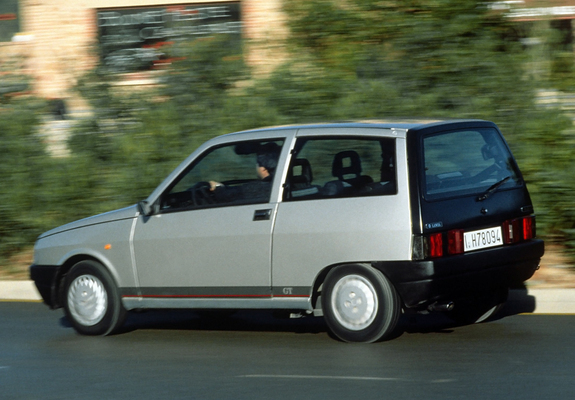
59	37
62	36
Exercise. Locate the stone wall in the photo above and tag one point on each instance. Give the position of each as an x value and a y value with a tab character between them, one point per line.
265	31
62	38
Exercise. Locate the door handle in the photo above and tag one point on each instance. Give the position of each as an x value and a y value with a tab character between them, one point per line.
262	215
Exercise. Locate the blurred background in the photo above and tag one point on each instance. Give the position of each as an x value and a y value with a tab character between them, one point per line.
101	99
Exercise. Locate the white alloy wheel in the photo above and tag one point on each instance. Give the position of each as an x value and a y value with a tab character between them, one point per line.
91	299
359	303
87	300
354	302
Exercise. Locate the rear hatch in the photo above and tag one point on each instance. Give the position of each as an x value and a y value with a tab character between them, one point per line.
471	193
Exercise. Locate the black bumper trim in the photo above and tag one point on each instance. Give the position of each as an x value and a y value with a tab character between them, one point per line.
44	277
424	282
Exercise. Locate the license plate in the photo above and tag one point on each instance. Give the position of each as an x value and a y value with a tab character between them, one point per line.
482	239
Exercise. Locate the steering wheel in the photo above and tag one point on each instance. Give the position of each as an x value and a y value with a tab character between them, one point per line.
201	193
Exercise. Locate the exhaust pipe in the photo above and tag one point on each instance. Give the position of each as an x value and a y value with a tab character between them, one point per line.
442	307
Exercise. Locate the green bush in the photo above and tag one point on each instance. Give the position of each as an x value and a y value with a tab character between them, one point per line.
23	162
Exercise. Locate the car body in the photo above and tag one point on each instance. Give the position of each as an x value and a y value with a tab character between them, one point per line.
357	222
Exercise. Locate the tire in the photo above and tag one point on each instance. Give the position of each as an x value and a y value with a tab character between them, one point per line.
92	303
479	309
360	304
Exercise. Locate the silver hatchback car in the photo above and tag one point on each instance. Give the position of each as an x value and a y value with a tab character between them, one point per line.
352	222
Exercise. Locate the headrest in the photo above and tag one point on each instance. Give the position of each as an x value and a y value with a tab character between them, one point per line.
301	171
346	163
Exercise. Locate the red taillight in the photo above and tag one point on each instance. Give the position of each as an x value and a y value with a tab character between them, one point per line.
528	228
518	230
455	241
436	245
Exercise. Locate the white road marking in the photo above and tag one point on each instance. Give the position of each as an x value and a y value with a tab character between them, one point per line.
443	381
357	378
348	378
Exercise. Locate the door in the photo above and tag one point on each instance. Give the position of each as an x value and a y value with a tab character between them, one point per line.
343	203
212	235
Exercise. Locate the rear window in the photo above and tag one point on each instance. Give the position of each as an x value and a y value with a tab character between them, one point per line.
467	162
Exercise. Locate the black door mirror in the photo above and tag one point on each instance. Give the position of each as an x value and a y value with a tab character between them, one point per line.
145	208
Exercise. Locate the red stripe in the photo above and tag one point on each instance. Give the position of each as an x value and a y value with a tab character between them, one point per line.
200	295
212	295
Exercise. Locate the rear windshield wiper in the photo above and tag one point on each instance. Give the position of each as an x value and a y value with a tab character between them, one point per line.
493	188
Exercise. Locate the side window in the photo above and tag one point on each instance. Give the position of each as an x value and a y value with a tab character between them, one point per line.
341	167
238	173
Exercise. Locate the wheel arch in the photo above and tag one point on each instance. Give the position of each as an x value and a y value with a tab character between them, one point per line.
317	285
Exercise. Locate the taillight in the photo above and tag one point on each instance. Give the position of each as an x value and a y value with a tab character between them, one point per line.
455	241
528	228
436	245
518	230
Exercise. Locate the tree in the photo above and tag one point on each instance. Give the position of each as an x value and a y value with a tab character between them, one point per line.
439	58
23	163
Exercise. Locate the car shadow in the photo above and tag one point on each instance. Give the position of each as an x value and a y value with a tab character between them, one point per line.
265	321
268	321
240	321
518	302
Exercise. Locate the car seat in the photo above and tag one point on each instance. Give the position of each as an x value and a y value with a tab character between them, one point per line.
301	179
346	167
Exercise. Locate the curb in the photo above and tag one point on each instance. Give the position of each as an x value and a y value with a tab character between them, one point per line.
542	301
534	301
19	290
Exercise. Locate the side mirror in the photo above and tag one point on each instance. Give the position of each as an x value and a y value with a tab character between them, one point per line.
145	208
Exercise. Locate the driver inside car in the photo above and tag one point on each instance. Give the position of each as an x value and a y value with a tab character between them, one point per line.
258	190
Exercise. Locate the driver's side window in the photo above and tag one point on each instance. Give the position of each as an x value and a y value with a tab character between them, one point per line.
225	175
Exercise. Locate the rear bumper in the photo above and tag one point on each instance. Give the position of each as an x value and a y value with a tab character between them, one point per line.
44	277
420	283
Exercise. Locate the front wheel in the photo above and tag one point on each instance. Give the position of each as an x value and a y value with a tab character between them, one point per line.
360	304
92	303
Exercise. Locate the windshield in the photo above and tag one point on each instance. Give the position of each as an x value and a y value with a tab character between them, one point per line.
467	162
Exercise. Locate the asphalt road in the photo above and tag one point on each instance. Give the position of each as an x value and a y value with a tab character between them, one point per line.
180	355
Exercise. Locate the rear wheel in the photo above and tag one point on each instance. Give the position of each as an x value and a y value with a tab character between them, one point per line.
360	304
92	303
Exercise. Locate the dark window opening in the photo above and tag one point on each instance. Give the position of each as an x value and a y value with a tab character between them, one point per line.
341	167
